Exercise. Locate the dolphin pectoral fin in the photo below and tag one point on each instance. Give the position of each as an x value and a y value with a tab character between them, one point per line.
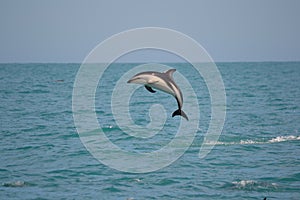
181	113
150	89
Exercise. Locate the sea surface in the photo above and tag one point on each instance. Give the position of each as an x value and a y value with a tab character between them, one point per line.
256	156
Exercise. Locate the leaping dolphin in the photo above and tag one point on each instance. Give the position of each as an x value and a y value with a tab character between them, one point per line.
161	81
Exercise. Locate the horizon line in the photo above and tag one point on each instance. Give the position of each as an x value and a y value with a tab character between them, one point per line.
139	62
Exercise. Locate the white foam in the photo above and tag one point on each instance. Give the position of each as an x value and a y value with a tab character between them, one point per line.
15	184
137	180
252	184
249	142
246	142
284	138
243	183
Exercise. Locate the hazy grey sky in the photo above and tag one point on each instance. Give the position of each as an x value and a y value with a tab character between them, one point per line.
230	30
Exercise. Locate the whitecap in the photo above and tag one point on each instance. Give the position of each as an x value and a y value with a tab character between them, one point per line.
243	183
253	185
248	141
137	180
15	184
284	138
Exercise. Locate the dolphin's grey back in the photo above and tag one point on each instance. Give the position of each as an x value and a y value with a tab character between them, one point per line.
166	76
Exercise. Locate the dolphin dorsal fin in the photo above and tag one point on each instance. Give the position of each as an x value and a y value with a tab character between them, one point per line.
170	72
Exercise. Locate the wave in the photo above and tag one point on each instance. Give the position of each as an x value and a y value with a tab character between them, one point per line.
284	138
253	185
16	184
272	140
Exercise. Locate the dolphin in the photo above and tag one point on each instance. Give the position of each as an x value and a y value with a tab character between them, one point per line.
161	81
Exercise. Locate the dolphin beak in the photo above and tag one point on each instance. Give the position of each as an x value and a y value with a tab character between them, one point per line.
132	80
129	81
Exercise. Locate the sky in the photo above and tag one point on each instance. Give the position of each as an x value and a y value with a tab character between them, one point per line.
230	30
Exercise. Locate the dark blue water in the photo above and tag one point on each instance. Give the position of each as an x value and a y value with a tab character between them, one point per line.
257	155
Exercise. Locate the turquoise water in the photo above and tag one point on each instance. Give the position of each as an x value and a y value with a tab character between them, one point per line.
257	155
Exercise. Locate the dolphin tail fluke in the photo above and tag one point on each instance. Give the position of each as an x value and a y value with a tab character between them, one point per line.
181	113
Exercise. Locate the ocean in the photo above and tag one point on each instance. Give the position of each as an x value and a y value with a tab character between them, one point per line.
256	156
